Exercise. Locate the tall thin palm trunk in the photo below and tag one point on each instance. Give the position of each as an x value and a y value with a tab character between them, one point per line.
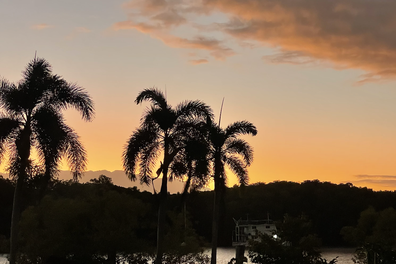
16	216
162	218
215	223
23	148
216	206
162	206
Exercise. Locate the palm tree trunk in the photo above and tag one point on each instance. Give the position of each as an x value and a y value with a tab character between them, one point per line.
23	149
16	216
185	191
216	206
162	217
215	223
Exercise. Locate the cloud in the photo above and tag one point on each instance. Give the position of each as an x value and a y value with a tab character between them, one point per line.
199	61
371	177
378	182
354	34
78	31
215	47
158	18
41	26
289	57
169	18
357	34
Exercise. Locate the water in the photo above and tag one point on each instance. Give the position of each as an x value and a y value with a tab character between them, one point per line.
3	259
224	255
344	254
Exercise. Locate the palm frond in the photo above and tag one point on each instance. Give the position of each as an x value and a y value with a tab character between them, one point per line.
75	155
52	135
178	169
240	128
10	98
37	69
194	109
8	129
238	167
240	147
139	140
154	95
64	95
148	158
156	117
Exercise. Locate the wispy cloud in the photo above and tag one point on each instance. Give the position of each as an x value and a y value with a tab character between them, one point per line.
199	61
215	47
355	34
380	182
371	177
41	26
158	18
77	31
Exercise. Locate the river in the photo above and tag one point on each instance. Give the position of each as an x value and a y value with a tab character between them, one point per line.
224	255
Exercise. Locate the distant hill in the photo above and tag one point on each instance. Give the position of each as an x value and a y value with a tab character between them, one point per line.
119	178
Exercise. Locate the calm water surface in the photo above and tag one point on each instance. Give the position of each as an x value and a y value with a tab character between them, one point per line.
224	255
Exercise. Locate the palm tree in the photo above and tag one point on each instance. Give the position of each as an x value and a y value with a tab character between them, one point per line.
235	153
163	130
31	118
193	163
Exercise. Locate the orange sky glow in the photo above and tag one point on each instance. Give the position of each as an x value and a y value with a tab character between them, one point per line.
317	78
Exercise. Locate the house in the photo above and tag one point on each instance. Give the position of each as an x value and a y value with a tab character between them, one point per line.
246	230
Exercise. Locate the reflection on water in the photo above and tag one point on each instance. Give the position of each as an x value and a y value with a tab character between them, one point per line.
3	259
344	254
224	255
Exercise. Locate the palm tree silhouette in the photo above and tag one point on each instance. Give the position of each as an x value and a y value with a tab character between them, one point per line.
235	153
32	119
163	130
193	163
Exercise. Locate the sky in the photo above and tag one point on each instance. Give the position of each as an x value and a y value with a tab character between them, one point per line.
317	78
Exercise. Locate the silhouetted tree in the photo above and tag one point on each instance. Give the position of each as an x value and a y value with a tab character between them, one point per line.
374	235
235	153
96	223
193	164
295	243
32	118
163	130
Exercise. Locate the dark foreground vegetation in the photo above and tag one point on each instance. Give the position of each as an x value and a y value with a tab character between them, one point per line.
93	221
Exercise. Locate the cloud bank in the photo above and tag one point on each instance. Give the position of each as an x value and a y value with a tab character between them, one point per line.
354	34
380	182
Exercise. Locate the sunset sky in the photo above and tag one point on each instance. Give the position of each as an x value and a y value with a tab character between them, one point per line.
317	77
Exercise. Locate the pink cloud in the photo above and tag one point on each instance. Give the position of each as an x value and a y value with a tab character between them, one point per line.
199	61
355	34
351	34
215	47
41	26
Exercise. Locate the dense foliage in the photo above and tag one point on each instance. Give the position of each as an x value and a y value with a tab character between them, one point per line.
295	243
99	222
374	236
329	206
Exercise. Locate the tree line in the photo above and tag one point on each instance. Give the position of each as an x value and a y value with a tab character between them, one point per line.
102	218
